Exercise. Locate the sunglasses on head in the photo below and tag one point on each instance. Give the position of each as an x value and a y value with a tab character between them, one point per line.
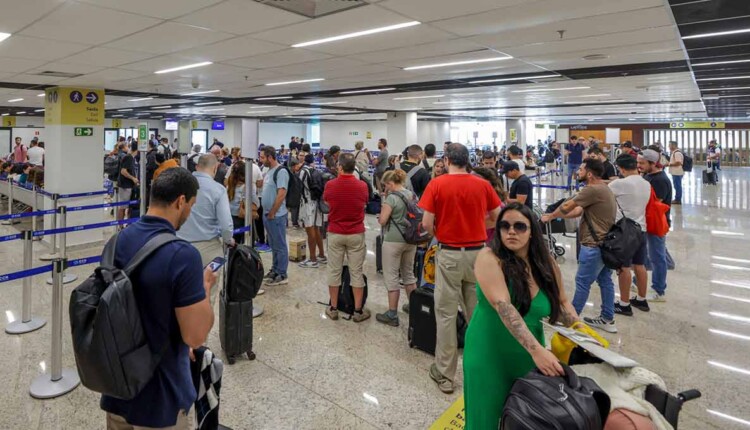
518	227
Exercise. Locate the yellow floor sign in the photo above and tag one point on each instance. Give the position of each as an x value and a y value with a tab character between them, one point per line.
452	418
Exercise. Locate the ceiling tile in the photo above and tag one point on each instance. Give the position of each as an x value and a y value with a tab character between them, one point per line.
23	13
66	67
388	40
34	48
238	47
431	10
107	57
91	25
164	9
18	65
277	59
241	17
169	37
425	50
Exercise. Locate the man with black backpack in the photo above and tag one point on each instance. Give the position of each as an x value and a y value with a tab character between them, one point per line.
417	177
171	293
310	213
277	188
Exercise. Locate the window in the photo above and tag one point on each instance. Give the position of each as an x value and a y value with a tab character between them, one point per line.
200	137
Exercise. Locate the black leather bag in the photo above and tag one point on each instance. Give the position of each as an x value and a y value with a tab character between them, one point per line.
244	274
620	243
561	402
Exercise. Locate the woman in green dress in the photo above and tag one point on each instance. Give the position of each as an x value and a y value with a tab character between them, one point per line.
518	284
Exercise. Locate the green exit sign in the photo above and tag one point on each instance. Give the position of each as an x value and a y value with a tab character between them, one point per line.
84	131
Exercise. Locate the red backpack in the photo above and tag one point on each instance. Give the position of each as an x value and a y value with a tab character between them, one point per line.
656	216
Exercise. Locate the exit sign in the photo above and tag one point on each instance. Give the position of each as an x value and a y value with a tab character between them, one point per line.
84	131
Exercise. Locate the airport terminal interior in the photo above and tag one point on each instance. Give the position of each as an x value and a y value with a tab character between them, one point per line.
83	80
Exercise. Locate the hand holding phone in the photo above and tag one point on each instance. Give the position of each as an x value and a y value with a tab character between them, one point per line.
216	263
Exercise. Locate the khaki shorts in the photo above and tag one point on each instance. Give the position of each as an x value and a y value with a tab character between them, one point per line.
184	422
398	258
353	248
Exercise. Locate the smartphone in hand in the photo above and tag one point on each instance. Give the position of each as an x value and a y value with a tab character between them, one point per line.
216	263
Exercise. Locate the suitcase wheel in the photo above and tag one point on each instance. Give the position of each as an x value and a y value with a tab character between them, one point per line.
250	355
230	360
559	251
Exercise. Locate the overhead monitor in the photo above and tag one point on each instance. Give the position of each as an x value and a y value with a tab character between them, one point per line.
217	125
171	125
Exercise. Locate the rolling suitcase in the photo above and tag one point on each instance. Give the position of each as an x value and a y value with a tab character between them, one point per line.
346	293
422	332
379	253
419	265
236	328
709	177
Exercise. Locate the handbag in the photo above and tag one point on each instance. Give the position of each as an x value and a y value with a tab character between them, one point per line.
620	243
656	216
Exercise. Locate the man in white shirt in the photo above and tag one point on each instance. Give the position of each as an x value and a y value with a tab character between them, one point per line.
676	159
35	153
632	193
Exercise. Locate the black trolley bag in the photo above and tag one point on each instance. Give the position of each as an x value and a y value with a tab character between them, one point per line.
422	332
346	293
242	280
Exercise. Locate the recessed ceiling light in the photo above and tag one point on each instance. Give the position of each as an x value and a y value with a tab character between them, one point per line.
726	78
188	66
716	63
418	97
730	89
551	89
124	110
143	99
161	107
41	95
330	103
452	102
15	100
258	111
373	90
201	92
117	116
458	63
4	36
21	113
295	82
275	98
39	110
208	103
5	114
357	34
718	33
304	109
520	78
212	110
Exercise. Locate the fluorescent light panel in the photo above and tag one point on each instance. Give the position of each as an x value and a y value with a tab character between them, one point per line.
185	67
520	78
161	107
141	99
208	103
418	97
458	63
39	110
124	110
726	78
302	81
258	111
275	98
4	36
357	34
717	63
213	110
5	114
15	100
551	89
201	92
373	90
21	113
329	103
41	95
718	33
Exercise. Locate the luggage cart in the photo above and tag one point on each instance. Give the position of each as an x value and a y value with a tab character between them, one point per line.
548	228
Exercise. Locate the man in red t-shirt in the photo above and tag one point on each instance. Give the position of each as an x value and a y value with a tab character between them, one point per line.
456	206
346	196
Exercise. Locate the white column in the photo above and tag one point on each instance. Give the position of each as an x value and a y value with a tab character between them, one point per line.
402	131
520	132
184	134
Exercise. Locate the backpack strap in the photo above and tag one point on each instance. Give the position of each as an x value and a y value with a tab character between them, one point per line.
108	255
149	248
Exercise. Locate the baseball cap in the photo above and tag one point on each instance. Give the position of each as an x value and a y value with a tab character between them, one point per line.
515	150
650	155
510	165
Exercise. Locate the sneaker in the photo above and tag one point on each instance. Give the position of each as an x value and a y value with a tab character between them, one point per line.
405	307
444	384
277	280
270	275
359	317
261	292
385	319
332	314
322	260
676	202
656	297
309	264
640	304
262	247
602	324
623	310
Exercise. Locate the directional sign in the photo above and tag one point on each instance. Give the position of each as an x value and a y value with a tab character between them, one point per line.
84	131
76	96
116	123
91	97
143	132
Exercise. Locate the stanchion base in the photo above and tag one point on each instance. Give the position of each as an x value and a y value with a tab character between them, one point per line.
43	387
49	257
257	310
10	222
67	279
20	327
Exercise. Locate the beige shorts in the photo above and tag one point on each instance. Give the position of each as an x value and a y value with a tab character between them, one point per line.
353	248
398	259
184	422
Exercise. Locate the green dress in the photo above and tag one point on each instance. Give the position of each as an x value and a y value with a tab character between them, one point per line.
493	360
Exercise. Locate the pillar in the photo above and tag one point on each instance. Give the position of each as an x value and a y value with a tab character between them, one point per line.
249	137
402	131
518	136
74	129
184	134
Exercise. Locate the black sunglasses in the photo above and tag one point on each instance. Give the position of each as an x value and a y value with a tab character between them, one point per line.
519	227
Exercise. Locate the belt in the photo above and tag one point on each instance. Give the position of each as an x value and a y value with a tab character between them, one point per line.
460	248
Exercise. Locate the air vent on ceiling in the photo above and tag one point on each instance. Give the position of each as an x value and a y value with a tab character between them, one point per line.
314	8
593	57
59	74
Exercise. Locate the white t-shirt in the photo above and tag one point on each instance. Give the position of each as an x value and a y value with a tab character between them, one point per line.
36	155
676	157
632	194
256	175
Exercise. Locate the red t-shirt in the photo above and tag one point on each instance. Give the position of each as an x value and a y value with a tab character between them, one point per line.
460	203
347	197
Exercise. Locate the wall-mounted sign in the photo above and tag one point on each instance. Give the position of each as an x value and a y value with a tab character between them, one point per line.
73	106
579	127
116	123
369	135
353	133
697	124
9	121
513	135
193	124
83	131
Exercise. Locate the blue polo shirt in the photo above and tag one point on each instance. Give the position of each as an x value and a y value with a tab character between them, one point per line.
576	153
170	278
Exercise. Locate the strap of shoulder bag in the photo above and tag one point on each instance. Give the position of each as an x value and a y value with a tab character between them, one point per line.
591	227
108	255
414	170
406	204
148	249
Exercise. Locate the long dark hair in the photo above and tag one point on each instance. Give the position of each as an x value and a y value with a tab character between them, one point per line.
514	268
236	177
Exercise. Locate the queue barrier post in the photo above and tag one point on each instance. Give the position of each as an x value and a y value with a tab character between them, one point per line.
67	278
10	221
58	381
34	208
27	323
53	253
538	183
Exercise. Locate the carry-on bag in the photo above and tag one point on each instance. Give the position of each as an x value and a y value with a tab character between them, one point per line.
379	253
710	177
346	293
244	273
422	332
235	327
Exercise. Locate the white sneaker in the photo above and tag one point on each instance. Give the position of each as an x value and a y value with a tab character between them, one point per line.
261	292
653	296
309	264
601	324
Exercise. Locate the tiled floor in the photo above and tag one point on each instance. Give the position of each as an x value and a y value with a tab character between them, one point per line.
312	373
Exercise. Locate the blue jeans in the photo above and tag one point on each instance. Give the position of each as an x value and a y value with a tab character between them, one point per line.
591	268
572	171
657	255
677	180
276	236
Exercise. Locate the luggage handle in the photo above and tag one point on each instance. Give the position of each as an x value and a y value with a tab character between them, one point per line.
688	395
570	377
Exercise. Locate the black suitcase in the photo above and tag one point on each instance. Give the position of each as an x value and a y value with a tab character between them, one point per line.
236	328
710	177
346	293
419	264
422	332
379	253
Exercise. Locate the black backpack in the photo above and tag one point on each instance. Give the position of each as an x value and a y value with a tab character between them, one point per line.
346	293
565	402
687	162
166	150
191	164
244	274
110	346
112	166
294	191
316	183
620	243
